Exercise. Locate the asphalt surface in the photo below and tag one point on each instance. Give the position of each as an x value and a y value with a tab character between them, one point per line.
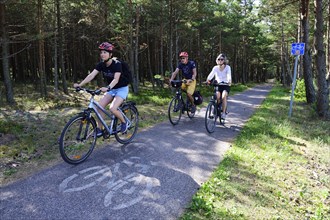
154	177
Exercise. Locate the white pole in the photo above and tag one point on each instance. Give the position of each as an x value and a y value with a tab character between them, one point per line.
293	83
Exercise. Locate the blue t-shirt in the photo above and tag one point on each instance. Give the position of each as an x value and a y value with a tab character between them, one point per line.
109	73
187	69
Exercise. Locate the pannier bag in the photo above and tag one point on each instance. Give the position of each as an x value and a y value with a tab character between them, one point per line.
198	98
176	83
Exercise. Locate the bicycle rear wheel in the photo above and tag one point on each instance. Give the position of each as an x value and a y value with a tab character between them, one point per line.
210	117
175	110
78	139
132	114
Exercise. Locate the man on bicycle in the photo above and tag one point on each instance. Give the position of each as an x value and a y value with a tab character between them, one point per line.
189	73
117	89
222	74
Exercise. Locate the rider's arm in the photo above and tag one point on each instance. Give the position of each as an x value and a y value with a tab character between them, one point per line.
115	80
194	74
211	75
174	74
88	78
229	76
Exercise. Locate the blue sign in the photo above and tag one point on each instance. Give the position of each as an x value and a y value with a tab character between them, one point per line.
298	49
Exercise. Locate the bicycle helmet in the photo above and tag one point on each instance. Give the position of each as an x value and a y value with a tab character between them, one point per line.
183	54
106	46
221	56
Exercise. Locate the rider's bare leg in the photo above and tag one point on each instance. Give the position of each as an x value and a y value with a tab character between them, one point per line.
224	101
191	99
106	99
117	101
218	97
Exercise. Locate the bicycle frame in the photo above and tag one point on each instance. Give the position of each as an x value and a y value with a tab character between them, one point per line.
178	94
94	106
214	96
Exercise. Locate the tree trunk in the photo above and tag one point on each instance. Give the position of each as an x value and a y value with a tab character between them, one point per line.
307	64
161	32
323	90
57	3
132	47
60	49
149	58
41	46
328	46
136	46
289	72
283	75
170	36
5	55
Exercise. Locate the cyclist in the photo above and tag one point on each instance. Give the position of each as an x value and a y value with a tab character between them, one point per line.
189	73
222	74
116	91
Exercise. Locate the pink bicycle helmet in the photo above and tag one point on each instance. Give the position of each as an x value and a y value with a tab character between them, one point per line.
106	46
183	54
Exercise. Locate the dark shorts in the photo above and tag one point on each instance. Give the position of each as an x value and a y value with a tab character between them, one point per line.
221	88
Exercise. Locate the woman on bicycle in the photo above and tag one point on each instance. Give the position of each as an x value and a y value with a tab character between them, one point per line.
117	89
222	74
189	72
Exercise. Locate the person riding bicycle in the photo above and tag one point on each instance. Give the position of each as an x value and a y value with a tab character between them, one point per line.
189	73
222	74
116	91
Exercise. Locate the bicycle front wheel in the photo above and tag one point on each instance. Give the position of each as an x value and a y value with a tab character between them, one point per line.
133	115
78	139
210	117
175	110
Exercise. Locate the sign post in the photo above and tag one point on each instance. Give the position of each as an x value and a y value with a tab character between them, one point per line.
296	50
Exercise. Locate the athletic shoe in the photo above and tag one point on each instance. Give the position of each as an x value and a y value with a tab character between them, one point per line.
223	115
193	109
99	132
123	128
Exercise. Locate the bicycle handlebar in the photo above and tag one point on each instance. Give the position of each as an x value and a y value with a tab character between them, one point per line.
178	83
180	80
215	83
90	91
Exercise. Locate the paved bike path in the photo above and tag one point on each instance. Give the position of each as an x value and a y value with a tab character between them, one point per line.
154	177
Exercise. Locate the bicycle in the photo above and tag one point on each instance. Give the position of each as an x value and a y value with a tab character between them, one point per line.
213	110
177	105
78	138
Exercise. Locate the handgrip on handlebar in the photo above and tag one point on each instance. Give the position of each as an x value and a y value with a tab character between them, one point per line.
90	91
215	83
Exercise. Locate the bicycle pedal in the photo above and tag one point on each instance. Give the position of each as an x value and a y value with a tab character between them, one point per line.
106	136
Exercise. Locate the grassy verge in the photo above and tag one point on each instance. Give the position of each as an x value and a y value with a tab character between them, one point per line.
278	168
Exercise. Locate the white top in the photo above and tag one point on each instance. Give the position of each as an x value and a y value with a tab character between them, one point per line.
220	76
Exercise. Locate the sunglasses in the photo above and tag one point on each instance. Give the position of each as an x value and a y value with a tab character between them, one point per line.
221	59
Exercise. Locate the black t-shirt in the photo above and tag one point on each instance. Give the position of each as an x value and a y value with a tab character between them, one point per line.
187	69
109	73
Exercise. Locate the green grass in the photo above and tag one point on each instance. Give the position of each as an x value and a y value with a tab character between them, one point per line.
278	168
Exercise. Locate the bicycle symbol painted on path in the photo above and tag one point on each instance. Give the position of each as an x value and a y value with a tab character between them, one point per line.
124	191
